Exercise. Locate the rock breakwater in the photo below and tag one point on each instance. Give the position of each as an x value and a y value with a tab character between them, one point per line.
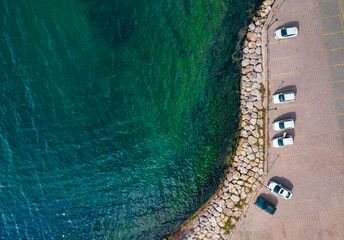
218	217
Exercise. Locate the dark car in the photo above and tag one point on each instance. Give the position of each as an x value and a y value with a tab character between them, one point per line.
263	204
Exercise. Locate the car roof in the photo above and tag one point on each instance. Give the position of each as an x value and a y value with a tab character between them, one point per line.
288	140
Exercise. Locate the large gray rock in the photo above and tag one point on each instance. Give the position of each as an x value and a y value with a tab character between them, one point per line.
255	169
235	198
252	75
236	175
249	105
258	30
256	135
247	69
226	196
259	42
252	45
228	212
251	180
245	62
253	121
256	85
258	68
251	27
252	36
258	50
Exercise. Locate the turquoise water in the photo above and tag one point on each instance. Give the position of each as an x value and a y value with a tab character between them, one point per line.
115	115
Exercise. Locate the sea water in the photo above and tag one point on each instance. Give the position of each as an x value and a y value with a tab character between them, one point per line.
116	115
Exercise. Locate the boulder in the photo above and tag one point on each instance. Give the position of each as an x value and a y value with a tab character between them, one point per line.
259	78
252	75
228	212
226	196
259	42
252	36
235	198
253	56
258	105
254	147
251	180
247	69
259	22
245	62
258	50
249	105
236	175
256	135
251	156
258	68
256	85
219	209
245	50
252	45
251	27
260	121
252	140
255	169
258	30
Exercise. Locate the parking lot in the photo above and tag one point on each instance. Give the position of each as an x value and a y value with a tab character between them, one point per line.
312	66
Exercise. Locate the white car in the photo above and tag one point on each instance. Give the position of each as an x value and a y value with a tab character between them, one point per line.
283	97
279	189
282	141
283	124
285	33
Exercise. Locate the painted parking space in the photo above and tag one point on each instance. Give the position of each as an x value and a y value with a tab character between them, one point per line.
311	66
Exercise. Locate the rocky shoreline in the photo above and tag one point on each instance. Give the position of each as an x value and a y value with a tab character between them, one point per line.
217	218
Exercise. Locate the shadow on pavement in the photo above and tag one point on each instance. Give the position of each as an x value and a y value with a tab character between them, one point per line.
289	115
289	88
283	181
269	198
288	131
289	24
292	24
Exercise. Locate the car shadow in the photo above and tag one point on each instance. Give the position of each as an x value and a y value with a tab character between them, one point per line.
269	198
289	24
283	181
292	24
289	115
288	131
289	88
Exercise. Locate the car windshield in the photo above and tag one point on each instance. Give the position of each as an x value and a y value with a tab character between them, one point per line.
281	98
284	32
276	189
281	125
280	142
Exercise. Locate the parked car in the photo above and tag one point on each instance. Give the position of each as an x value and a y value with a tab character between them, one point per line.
283	124
284	33
279	189
283	97
263	204
282	141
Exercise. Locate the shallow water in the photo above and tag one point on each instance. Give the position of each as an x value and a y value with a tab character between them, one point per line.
115	115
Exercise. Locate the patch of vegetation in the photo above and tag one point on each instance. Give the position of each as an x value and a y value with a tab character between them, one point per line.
192	218
228	226
239	204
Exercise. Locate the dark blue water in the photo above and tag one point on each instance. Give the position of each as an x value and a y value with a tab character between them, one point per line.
116	116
